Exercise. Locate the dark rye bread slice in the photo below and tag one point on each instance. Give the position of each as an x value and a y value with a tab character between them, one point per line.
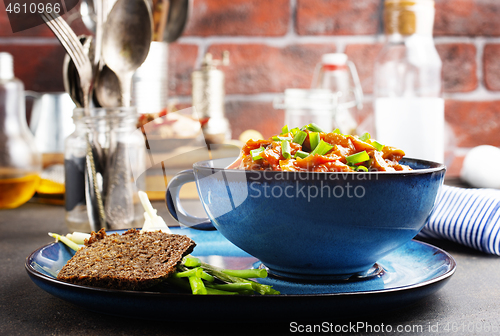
131	261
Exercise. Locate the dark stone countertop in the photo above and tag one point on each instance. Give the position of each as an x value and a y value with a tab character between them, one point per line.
468	303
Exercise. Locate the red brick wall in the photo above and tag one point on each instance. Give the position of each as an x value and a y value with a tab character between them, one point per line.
275	45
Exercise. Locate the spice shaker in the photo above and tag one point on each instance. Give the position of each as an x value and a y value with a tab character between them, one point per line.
208	99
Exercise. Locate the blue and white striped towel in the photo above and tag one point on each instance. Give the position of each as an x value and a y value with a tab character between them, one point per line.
467	216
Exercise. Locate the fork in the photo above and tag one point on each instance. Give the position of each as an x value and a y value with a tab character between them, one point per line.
74	48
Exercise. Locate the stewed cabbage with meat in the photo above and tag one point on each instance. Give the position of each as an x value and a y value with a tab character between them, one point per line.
311	149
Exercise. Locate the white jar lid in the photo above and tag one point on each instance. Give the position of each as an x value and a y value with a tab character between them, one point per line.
334	59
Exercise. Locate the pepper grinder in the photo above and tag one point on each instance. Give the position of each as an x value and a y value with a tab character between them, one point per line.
208	98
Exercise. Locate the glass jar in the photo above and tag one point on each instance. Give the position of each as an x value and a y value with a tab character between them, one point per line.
118	150
20	162
409	109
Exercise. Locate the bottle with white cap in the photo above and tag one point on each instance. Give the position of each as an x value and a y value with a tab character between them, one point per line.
20	162
337	74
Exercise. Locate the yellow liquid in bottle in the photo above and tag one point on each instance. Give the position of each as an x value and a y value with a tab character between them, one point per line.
50	187
50	192
52	176
15	191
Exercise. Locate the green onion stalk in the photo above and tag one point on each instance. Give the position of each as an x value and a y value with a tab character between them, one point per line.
205	279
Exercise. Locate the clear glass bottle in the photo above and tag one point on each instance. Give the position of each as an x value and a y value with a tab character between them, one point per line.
111	128
20	162
409	109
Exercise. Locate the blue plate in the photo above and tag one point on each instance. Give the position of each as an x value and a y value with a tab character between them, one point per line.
408	274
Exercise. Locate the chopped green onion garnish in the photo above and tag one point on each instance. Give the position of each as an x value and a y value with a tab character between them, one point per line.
358	157
256	153
378	146
281	138
365	137
299	137
301	154
314	128
363	168
314	139
337	131
285	149
284	130
322	148
294	130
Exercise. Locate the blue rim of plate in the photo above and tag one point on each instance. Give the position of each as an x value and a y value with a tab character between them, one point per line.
170	306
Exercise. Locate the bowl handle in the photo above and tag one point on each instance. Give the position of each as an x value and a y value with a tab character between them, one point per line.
175	207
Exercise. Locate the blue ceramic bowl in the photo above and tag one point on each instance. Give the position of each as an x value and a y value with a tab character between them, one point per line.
311	224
